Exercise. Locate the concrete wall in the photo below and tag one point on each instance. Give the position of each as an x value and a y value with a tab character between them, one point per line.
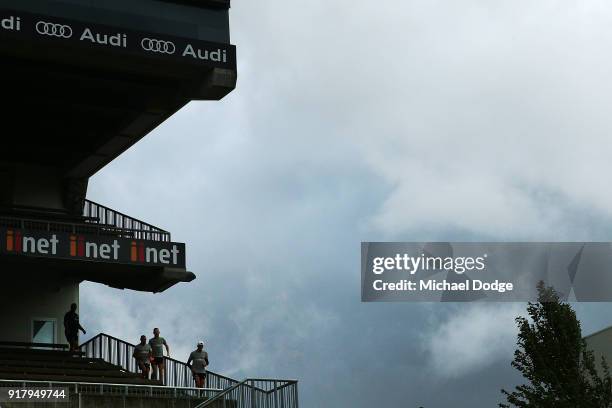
601	345
34	297
37	186
32	186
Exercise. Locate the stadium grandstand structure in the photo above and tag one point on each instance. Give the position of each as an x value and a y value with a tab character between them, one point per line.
102	373
82	82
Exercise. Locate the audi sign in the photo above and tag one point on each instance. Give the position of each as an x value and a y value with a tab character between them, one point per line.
159	46
103	37
53	29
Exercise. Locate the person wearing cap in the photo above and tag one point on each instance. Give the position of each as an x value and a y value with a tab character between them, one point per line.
142	354
200	361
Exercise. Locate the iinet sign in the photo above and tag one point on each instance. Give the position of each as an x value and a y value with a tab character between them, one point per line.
92	248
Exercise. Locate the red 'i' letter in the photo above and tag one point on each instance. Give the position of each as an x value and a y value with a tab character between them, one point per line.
73	246
81	246
141	257
133	252
9	240
18	241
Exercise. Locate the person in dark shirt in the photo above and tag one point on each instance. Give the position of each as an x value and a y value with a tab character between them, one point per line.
72	327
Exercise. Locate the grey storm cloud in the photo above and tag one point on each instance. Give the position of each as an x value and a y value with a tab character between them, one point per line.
368	121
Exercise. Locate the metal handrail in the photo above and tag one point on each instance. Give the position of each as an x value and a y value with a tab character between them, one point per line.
102	215
119	352
246	394
222	394
81	228
78	389
96	219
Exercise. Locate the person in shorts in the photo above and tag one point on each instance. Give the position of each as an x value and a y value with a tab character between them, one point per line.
157	344
197	362
142	354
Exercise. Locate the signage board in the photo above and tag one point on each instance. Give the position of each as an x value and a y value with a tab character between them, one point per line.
91	247
55	31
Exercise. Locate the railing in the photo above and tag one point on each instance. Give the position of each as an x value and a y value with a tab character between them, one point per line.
257	393
118	222
77	228
119	352
249	393
77	393
56	226
96	219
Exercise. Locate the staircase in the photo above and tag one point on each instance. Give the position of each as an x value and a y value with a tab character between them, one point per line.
62	366
177	374
104	374
219	391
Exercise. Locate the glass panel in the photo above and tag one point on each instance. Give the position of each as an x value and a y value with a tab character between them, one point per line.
43	331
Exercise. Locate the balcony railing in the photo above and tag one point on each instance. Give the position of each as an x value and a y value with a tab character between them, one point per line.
83	394
121	224
249	393
96	219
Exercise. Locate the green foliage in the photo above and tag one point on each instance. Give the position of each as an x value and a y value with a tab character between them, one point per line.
552	356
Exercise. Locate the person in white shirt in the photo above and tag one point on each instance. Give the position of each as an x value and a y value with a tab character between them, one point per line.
197	362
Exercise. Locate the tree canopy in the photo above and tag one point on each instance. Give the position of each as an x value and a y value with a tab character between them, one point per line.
552	356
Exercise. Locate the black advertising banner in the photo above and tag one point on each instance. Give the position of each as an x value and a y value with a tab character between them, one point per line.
96	248
60	31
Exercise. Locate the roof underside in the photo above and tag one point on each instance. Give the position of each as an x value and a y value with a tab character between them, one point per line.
78	107
120	276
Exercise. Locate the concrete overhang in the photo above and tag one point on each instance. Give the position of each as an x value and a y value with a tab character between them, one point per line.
74	102
152	279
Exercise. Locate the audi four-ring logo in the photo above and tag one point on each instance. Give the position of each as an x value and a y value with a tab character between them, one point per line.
54	30
155	45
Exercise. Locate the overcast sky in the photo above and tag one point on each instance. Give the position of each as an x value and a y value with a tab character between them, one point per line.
354	120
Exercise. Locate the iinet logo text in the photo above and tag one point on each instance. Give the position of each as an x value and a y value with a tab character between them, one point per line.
414	264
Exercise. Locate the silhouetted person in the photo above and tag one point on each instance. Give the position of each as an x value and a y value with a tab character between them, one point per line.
200	362
142	354
157	345
72	327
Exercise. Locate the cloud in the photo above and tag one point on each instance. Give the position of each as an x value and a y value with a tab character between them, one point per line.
362	121
472	339
491	126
